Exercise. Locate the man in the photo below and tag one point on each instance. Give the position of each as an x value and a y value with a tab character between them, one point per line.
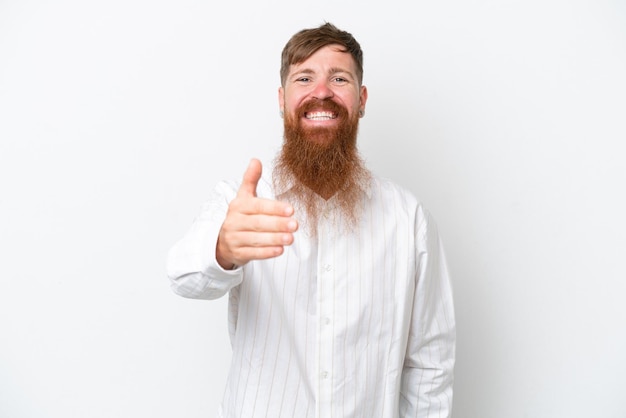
340	303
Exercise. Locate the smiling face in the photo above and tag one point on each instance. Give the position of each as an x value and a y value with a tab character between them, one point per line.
322	93
322	98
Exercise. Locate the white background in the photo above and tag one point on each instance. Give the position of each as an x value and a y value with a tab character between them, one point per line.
507	118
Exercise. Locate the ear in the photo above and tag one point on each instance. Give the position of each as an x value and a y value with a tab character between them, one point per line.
362	98
281	99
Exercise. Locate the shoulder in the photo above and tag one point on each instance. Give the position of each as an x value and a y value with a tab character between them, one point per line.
384	188
390	193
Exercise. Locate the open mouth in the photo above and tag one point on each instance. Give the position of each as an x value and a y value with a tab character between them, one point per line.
320	115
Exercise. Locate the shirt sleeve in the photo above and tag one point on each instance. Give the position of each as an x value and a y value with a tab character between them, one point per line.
191	264
427	377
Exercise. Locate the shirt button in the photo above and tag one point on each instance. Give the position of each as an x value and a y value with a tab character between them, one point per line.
328	267
326	320
324	375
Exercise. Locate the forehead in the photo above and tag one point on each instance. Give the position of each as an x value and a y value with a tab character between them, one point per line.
330	58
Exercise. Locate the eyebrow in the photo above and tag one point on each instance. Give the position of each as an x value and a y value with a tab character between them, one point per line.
336	70
333	70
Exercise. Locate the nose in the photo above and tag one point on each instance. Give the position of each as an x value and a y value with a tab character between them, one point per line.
322	91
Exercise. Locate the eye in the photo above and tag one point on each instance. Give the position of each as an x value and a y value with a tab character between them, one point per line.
303	79
340	80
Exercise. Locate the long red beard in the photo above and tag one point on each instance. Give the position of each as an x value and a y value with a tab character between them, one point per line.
321	163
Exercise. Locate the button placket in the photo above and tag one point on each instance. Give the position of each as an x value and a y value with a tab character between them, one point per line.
325	313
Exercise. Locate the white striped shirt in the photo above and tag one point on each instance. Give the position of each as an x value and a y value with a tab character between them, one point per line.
341	325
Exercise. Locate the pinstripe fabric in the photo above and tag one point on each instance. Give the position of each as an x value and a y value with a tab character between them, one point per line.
342	325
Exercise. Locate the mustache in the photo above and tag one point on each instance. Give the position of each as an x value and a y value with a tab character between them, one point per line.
323	104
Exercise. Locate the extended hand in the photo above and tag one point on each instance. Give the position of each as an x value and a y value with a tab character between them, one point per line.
254	228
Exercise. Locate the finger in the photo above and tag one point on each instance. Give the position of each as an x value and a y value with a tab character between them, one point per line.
258	206
246	246
251	179
264	223
249	240
257	253
240	222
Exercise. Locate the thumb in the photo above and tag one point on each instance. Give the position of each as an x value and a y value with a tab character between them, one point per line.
251	179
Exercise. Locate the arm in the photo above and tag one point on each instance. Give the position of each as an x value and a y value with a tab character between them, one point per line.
192	265
427	377
234	227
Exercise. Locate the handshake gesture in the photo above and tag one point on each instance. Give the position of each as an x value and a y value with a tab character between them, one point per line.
254	228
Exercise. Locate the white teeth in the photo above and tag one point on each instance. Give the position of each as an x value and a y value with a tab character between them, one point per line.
320	116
